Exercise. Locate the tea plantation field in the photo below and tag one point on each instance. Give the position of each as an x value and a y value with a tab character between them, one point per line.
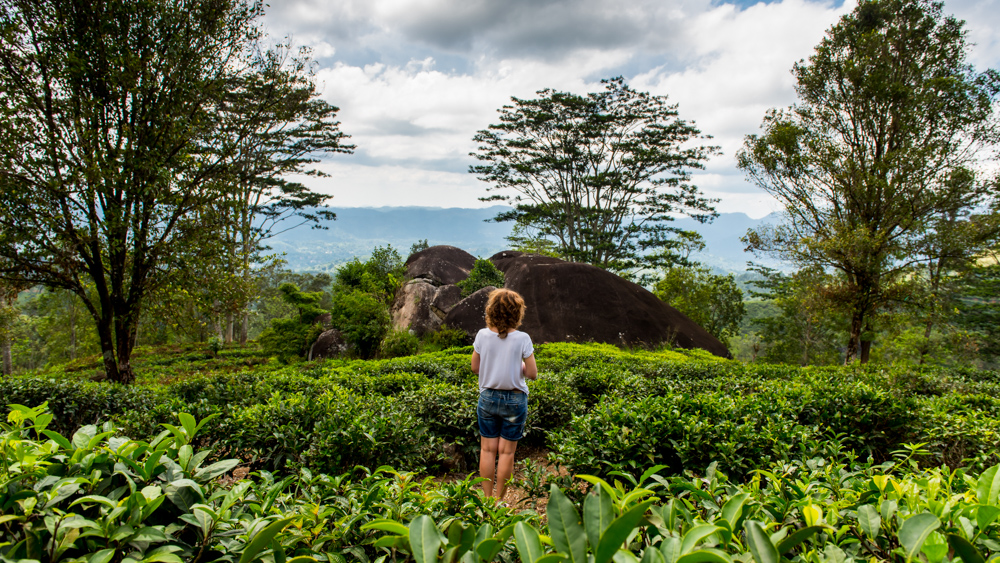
687	458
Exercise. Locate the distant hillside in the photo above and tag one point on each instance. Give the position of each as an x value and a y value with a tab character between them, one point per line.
358	230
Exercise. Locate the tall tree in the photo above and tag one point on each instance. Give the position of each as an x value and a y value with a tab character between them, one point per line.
888	111
600	174
117	144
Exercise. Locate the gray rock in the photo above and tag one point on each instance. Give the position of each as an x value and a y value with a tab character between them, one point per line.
441	265
329	344
470	313
445	299
411	310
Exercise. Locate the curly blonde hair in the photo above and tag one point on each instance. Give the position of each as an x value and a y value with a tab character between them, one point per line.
504	311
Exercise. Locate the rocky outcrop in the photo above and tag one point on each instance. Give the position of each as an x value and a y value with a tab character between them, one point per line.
470	314
330	344
574	302
411	309
441	265
445	299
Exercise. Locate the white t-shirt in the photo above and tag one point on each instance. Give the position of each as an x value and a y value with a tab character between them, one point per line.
500	359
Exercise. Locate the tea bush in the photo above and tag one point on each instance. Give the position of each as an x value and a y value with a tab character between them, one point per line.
99	497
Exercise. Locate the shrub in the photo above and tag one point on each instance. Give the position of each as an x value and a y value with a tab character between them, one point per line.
446	337
362	319
483	274
398	343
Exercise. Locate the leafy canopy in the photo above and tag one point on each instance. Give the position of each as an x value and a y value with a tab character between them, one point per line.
888	113
601	175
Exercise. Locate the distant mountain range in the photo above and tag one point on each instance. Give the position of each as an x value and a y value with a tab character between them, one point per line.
358	230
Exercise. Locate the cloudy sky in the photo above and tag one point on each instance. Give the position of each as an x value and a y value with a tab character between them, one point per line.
415	79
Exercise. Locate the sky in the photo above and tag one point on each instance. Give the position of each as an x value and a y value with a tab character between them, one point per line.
415	79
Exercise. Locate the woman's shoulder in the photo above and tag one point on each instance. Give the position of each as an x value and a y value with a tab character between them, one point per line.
520	334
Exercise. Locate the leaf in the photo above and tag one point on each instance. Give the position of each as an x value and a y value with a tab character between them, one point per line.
102	556
695	535
707	555
59	439
914	531
529	546
732	511
623	556
869	521
988	486
564	526
189	424
652	555
598	513
670	549
760	543
812	514
798	537
425	539
550	558
618	532
965	550
985	515
263	538
216	469
488	549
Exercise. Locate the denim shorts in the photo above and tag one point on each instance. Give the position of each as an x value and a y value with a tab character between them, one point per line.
502	414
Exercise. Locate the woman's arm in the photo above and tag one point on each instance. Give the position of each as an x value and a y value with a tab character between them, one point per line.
528	368
475	362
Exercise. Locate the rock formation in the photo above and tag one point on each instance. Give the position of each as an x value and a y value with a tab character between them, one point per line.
329	344
574	302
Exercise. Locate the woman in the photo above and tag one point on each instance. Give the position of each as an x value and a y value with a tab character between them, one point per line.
504	358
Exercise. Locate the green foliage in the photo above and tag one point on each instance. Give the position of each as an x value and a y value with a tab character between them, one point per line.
878	127
380	275
598	174
418	246
362	318
97	496
483	274
711	300
799	325
979	310
445	337
288	339
824	509
398	343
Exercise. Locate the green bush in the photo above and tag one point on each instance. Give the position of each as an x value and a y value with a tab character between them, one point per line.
398	343
483	274
362	319
446	337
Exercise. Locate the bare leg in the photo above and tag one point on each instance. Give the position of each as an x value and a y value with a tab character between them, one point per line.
488	463
505	466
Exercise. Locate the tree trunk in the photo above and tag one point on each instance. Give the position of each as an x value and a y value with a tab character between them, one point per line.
244	328
8	363
866	348
229	322
72	327
854	338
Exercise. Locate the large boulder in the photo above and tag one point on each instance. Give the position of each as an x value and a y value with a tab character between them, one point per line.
574	302
329	344
441	265
445	299
411	310
470	314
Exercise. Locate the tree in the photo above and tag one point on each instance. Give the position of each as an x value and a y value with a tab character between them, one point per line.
711	300
800	325
888	112
601	174
288	134
121	136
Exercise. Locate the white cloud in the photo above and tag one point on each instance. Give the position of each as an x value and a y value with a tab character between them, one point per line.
417	78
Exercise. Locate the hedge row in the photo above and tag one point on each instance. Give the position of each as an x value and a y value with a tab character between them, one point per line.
596	407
